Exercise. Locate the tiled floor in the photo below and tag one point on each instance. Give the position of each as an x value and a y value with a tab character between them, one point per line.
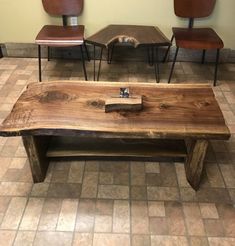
116	203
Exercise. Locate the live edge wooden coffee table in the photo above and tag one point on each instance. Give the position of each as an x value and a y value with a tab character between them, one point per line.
57	119
137	36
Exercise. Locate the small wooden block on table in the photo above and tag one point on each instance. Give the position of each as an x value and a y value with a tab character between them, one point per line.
70	118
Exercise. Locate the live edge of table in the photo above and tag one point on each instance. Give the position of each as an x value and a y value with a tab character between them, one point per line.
61	119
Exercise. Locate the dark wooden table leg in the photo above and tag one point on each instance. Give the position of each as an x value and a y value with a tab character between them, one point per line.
194	162
36	147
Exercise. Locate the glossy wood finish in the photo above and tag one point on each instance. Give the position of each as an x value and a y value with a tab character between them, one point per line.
135	35
197	38
193	8
170	114
60	36
77	107
63	7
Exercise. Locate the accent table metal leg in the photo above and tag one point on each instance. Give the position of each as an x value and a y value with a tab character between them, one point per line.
101	52
156	63
150	53
94	72
110	54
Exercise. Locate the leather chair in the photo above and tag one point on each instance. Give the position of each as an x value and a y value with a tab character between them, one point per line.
195	38
62	36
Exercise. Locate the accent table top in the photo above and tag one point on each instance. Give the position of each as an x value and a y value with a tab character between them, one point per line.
68	108
136	35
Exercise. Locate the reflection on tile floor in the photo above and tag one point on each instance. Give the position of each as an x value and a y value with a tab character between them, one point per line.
116	203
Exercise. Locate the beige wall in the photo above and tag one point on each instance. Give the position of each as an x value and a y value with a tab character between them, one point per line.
20	20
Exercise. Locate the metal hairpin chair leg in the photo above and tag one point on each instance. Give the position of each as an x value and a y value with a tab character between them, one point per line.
168	49
203	56
83	63
173	64
39	64
216	66
48	53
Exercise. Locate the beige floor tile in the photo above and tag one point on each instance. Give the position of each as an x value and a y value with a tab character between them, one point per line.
14	213
152	167
82	239
32	214
15	189
86	216
193	219
53	239
7	237
103	223
76	172
111	239
217	241
163	193
50	214
169	240
104	207
139	217
40	189
67	217
208	211
90	184
140	240
180	171
121	216
156	209
228	172
18	163
113	192
198	241
25	238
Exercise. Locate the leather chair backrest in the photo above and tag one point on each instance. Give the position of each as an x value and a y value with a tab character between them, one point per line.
63	7
193	8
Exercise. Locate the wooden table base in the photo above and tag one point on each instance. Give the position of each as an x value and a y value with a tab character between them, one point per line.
40	149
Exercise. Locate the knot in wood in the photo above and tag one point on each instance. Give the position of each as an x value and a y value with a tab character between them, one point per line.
164	106
96	103
51	96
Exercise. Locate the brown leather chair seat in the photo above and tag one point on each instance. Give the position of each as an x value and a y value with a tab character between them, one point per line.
61	35
197	38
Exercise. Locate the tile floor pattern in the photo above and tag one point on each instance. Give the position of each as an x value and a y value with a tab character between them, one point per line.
116	203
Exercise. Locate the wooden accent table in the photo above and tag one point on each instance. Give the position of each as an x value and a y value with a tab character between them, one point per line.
68	119
149	36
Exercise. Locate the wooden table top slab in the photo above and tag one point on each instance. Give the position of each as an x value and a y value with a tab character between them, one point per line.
77	109
136	35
